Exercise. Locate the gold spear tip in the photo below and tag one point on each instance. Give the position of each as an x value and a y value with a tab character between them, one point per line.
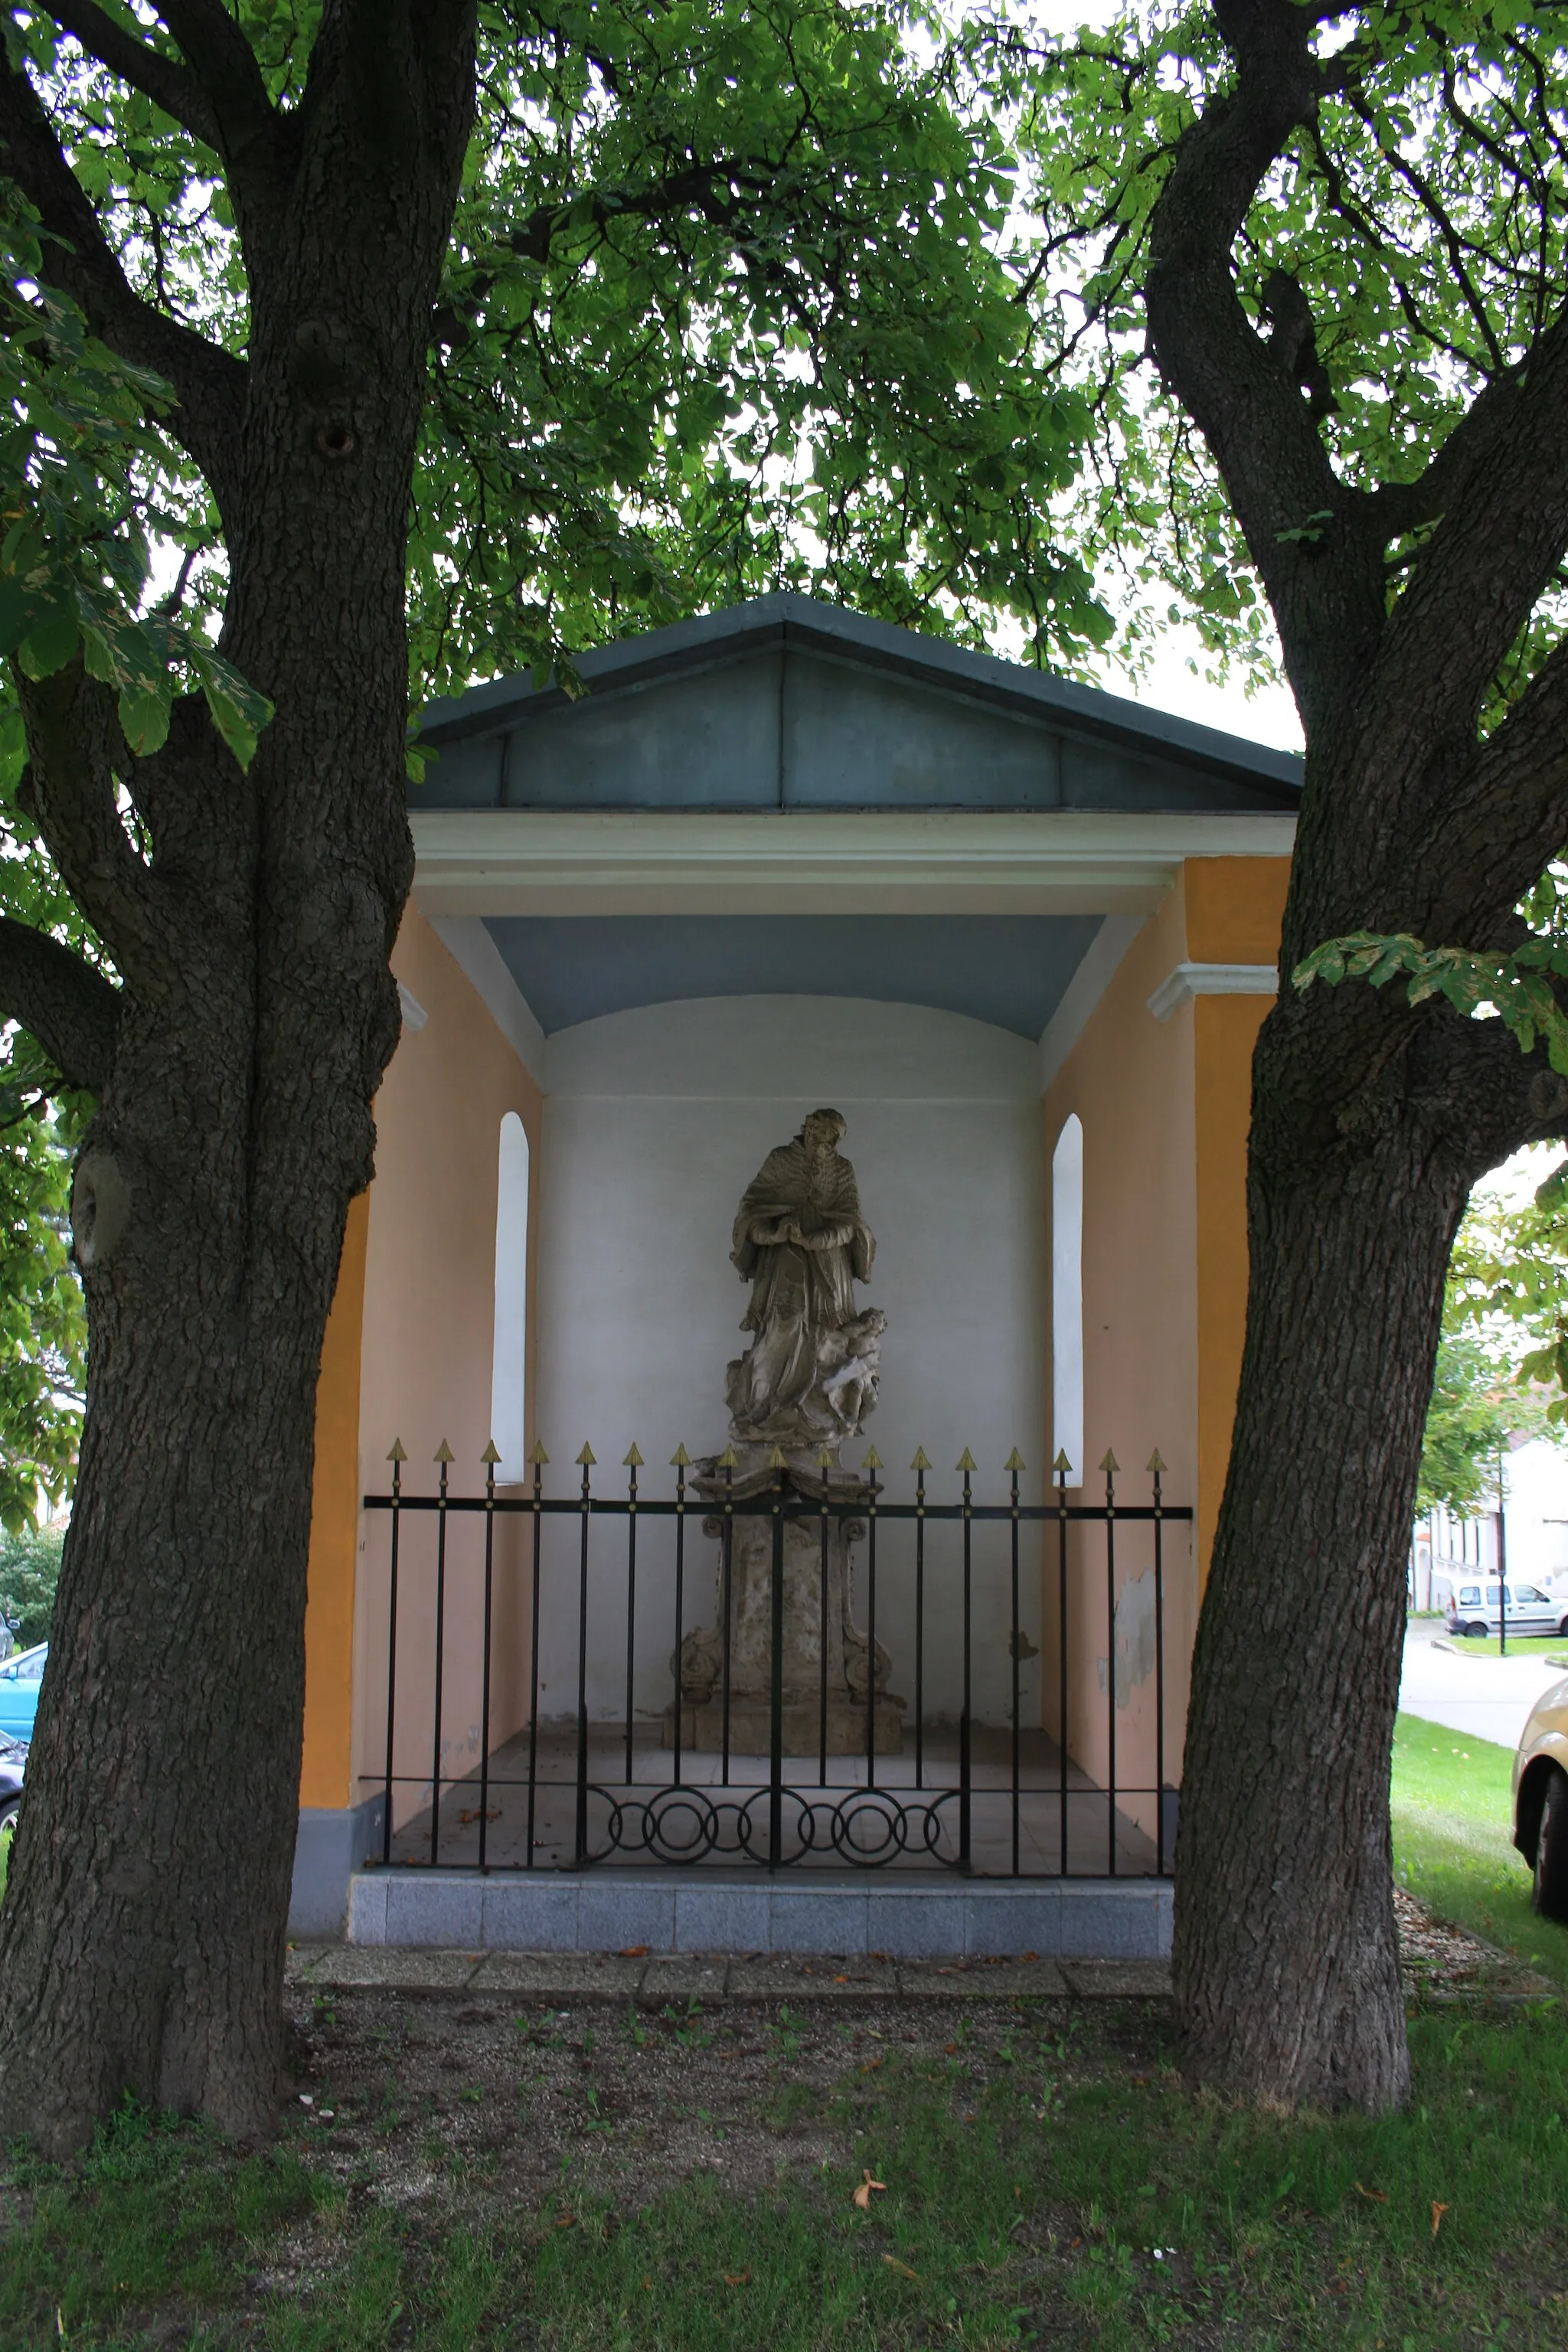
825	1457
631	1459
587	1458
777	1459
539	1456
1061	1466
399	1451
1155	1464
492	1452
680	1459
1110	1465
1014	1461
922	1460
873	1460
967	1460
444	1453
727	1459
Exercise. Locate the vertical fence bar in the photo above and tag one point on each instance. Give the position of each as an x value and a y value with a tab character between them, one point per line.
919	1465
540	1459
1062	1465
679	1461
726	1566
965	1720
490	1458
825	1464
1156	1466
634	1463
1013	1465
775	1678
444	1457
873	1464
398	1457
586	1461
1110	1465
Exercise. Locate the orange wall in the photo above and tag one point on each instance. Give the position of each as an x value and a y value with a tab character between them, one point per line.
428	1330
334	1534
1235	907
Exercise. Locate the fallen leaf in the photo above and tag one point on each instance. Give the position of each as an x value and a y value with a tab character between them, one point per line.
894	2264
870	2065
969	2118
950	2049
840	1979
647	2283
737	2278
566	2221
862	2196
1438	2213
1373	2196
634	1952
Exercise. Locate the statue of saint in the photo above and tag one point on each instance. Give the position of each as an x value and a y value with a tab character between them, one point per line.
801	1243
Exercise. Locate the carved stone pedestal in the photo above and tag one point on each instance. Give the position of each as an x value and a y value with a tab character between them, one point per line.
745	1602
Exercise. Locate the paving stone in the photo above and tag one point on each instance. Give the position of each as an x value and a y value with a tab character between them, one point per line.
779	1976
682	1977
564	1976
1107	1980
982	1980
407	1968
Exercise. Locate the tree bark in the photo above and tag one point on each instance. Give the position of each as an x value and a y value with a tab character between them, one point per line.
141	1936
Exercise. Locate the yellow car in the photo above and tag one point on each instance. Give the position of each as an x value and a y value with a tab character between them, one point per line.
1540	1800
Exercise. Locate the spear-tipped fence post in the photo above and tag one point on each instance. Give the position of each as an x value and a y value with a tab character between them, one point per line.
873	1463
538	1459
966	1717
1111	1466
585	1460
398	1457
919	1465
778	1466
679	1461
490	1458
825	1464
444	1457
1014	1462
1062	1468
726	1560
1156	1471
632	1461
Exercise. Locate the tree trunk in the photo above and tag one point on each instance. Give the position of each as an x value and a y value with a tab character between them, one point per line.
1285	1960
143	1934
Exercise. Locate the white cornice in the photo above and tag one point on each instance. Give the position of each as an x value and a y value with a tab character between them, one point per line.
535	861
1190	980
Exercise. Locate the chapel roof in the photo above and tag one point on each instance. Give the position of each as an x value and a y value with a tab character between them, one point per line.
786	703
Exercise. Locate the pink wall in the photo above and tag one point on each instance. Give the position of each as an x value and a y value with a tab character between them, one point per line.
426	1369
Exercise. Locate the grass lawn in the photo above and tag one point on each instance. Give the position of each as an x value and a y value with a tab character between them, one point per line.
1550	1646
602	2181
1453	1845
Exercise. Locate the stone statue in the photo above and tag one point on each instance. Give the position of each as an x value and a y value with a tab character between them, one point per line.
806	1382
810	1374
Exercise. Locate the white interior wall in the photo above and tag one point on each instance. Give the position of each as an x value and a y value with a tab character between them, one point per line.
657	1120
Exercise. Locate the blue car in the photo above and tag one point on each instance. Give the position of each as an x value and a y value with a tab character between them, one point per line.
20	1678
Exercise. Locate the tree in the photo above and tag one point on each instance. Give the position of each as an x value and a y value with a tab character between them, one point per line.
1341	229
429	339
30	1576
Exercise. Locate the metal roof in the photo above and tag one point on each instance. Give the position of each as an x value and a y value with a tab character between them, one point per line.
785	703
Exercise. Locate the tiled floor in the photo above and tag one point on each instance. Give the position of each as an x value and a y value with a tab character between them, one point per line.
643	1819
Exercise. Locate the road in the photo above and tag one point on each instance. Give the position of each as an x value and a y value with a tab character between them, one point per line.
1488	1697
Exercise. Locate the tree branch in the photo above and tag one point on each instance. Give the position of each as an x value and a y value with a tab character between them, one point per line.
69	1008
1239	390
70	792
161	78
209	382
225	65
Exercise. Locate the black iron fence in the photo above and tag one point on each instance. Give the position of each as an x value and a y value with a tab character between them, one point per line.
535	1719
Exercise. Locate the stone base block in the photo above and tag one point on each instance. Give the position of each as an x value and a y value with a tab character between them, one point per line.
752	1728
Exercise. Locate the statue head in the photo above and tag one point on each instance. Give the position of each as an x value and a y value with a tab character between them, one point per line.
821	1129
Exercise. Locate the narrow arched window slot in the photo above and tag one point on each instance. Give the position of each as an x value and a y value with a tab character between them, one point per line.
508	1363
1067	1296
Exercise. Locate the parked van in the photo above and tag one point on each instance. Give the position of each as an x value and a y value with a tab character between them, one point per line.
1530	1610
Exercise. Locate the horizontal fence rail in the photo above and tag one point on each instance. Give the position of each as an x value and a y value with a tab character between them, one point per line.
535	1720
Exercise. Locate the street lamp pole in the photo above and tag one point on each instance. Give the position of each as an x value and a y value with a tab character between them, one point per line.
1501	1565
